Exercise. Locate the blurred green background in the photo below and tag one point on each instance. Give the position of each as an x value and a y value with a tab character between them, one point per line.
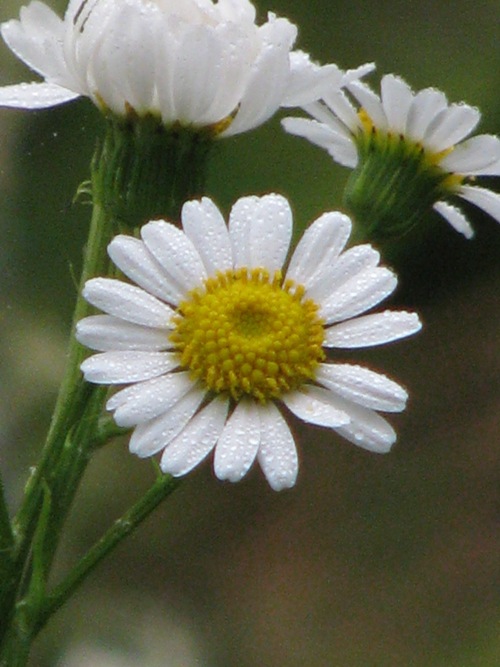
370	561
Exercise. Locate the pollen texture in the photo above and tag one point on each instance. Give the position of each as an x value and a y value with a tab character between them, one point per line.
249	333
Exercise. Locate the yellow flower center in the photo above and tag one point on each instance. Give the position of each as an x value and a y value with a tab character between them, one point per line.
248	333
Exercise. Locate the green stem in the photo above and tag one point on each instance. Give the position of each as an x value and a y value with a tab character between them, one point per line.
140	170
164	486
74	392
73	396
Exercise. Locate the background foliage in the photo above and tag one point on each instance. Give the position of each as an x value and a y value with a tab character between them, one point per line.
369	561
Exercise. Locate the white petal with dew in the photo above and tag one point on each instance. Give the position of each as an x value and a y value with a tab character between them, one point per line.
338	102
426	105
397	98
312	405
237	447
450	126
350	263
198	438
363	386
127	366
155	434
105	333
146	400
176	254
367	429
370	102
133	258
340	147
260	229
324	115
356	73
308	81
36	40
374	329
204	225
478	156
485	199
35	95
455	218
360	293
277	453
266	87
127	302
319	248
210	70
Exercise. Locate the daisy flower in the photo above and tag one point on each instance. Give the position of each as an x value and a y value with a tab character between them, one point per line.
409	153
193	62
218	341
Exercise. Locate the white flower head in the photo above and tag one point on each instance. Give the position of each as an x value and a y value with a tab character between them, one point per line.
217	338
421	130
193	62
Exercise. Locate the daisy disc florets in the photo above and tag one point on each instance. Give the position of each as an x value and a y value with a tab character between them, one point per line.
409	152
217	337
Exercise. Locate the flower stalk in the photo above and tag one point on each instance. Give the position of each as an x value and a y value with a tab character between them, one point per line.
138	171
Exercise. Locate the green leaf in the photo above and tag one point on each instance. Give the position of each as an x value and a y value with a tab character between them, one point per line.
6	536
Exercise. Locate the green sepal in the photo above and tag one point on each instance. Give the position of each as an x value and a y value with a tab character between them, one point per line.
144	170
393	187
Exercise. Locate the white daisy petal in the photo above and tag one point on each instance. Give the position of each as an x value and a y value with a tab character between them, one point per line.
267	84
363	386
321	113
277	453
127	302
312	406
485	199
238	445
426	105
370	102
204	225
36	39
338	146
146	400
133	258
374	329
358	294
260	229
318	248
119	367
340	105
350	263
35	95
201	55
450	126
105	333
152	436
397	98
455	218
367	429
196	440
308	81
175	253
474	157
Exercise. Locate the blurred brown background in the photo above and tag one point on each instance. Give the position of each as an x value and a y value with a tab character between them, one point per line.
370	561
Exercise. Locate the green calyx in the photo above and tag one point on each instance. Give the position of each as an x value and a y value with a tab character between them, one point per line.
394	185
144	170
